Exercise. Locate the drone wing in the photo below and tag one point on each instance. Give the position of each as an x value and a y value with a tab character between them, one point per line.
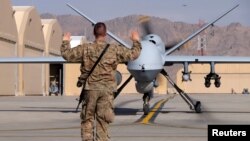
50	60
199	31
205	59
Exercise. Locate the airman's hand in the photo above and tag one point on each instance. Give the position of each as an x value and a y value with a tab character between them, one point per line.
135	36
67	36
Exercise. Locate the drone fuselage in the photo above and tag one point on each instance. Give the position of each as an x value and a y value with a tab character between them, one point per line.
149	64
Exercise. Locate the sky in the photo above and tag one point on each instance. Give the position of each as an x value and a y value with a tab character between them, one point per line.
189	11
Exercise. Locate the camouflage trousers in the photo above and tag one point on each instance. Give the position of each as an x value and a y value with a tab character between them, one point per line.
97	112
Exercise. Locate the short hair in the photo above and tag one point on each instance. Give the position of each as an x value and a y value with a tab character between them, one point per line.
100	29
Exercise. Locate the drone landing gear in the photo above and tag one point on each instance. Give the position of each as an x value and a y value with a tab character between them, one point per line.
146	98
193	104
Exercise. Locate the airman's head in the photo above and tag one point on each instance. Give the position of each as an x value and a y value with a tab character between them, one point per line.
100	30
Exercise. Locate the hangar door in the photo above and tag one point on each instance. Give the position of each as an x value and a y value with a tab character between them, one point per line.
33	84
7	71
56	76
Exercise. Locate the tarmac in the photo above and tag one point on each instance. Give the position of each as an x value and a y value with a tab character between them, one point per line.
52	118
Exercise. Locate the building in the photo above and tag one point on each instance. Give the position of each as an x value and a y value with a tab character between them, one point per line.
22	34
8	46
30	44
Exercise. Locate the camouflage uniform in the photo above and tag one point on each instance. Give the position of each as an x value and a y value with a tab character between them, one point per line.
99	88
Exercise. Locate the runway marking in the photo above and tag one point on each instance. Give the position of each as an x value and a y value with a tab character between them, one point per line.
154	111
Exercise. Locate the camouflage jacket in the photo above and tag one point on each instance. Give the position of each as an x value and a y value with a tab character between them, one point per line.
103	76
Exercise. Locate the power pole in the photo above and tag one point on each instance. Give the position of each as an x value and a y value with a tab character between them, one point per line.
202	40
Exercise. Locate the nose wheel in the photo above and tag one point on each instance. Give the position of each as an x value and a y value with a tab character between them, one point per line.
146	106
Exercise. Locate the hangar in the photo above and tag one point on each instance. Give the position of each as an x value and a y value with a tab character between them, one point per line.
8	46
24	34
30	44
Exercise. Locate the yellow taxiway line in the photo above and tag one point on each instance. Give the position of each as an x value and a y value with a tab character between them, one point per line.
152	113
155	110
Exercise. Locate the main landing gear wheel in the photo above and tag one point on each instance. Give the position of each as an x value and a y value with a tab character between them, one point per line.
197	107
146	106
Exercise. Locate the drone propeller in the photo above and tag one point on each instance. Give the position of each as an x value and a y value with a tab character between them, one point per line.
145	24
